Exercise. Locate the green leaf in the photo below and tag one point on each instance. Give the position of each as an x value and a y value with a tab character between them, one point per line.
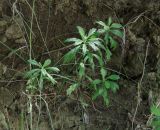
101	23
84	49
71	55
155	111
71	89
81	70
78	43
105	98
99	58
75	40
113	42
72	40
93	46
99	44
35	74
89	78
107	84
116	25
101	31
86	58
114	86
34	62
93	39
30	73
53	69
117	33
44	72
47	63
51	79
89	57
109	21
81	32
103	73
96	82
106	38
31	84
92	31
108	53
113	77
156	124
97	93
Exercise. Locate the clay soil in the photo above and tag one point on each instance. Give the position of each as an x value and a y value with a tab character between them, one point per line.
136	60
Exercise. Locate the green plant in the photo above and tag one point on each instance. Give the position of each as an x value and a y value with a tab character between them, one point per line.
84	45
38	75
156	117
109	30
103	85
89	49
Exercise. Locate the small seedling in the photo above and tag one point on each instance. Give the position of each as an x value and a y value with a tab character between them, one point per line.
39	74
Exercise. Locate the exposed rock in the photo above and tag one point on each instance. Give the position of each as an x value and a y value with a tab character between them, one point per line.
135	58
21	40
156	40
14	32
6	97
3	123
3	25
82	127
66	119
70	13
152	76
3	38
44	126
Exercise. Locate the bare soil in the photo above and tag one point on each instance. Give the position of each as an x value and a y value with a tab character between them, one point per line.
136	59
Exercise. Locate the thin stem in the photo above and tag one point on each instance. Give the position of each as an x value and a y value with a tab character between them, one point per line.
30	35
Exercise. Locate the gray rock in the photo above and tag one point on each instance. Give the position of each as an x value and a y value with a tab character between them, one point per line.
20	41
3	25
44	126
152	76
3	38
14	32
3	123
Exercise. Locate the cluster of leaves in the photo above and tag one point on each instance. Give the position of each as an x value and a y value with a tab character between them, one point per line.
39	74
89	49
91	52
156	119
109	30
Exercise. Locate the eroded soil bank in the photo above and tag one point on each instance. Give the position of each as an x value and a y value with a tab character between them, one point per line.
136	60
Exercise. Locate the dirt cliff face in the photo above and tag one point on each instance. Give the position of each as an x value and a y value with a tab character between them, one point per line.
136	58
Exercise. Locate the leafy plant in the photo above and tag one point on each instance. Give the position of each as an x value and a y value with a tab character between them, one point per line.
39	74
89	48
103	85
108	30
156	119
83	45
